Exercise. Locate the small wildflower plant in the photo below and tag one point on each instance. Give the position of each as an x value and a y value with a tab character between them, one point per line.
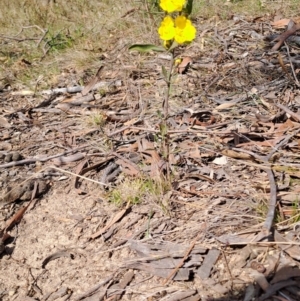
175	29
175	26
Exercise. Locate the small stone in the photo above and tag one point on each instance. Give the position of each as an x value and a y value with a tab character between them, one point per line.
8	158
16	156
12	173
11	293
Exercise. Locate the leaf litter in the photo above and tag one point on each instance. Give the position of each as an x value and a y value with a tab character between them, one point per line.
227	225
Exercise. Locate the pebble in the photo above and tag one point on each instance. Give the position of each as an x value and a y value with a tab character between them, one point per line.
16	156
8	158
12	173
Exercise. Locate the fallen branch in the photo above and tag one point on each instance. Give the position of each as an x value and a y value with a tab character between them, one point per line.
288	111
33	160
281	39
74	89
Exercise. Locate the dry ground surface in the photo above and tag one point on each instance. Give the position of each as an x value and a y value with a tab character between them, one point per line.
87	209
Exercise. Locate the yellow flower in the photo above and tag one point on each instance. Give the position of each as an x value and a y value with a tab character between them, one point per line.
167	30
178	61
184	30
181	30
172	5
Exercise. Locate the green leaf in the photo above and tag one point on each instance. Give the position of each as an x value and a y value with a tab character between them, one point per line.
174	45
146	48
189	7
165	73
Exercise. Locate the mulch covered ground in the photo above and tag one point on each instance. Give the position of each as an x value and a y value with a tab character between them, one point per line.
225	228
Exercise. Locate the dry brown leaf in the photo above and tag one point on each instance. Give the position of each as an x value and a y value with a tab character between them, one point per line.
129	168
93	82
228	66
285	273
237	155
130	148
224	106
293	250
266	143
78	171
283	127
131	121
147	147
280	23
156	168
4	122
199	176
115	219
220	160
16	218
184	65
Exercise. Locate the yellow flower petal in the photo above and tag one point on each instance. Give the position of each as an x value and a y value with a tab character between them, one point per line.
172	5
167	30
180	21
184	30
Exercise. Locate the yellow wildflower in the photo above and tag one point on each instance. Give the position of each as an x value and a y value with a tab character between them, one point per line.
172	5
167	30
184	30
178	61
181	30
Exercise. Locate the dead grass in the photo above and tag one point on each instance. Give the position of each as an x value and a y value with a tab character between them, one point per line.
74	36
77	36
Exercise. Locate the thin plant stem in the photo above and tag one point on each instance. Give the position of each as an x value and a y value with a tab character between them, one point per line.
166	141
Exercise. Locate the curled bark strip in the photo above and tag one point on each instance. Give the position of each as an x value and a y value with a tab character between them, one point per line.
89	168
115	118
261	280
257	266
55	256
284	36
44	159
110	172
272	202
68	159
276	287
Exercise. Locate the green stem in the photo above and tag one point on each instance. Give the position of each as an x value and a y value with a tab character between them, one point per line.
166	142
